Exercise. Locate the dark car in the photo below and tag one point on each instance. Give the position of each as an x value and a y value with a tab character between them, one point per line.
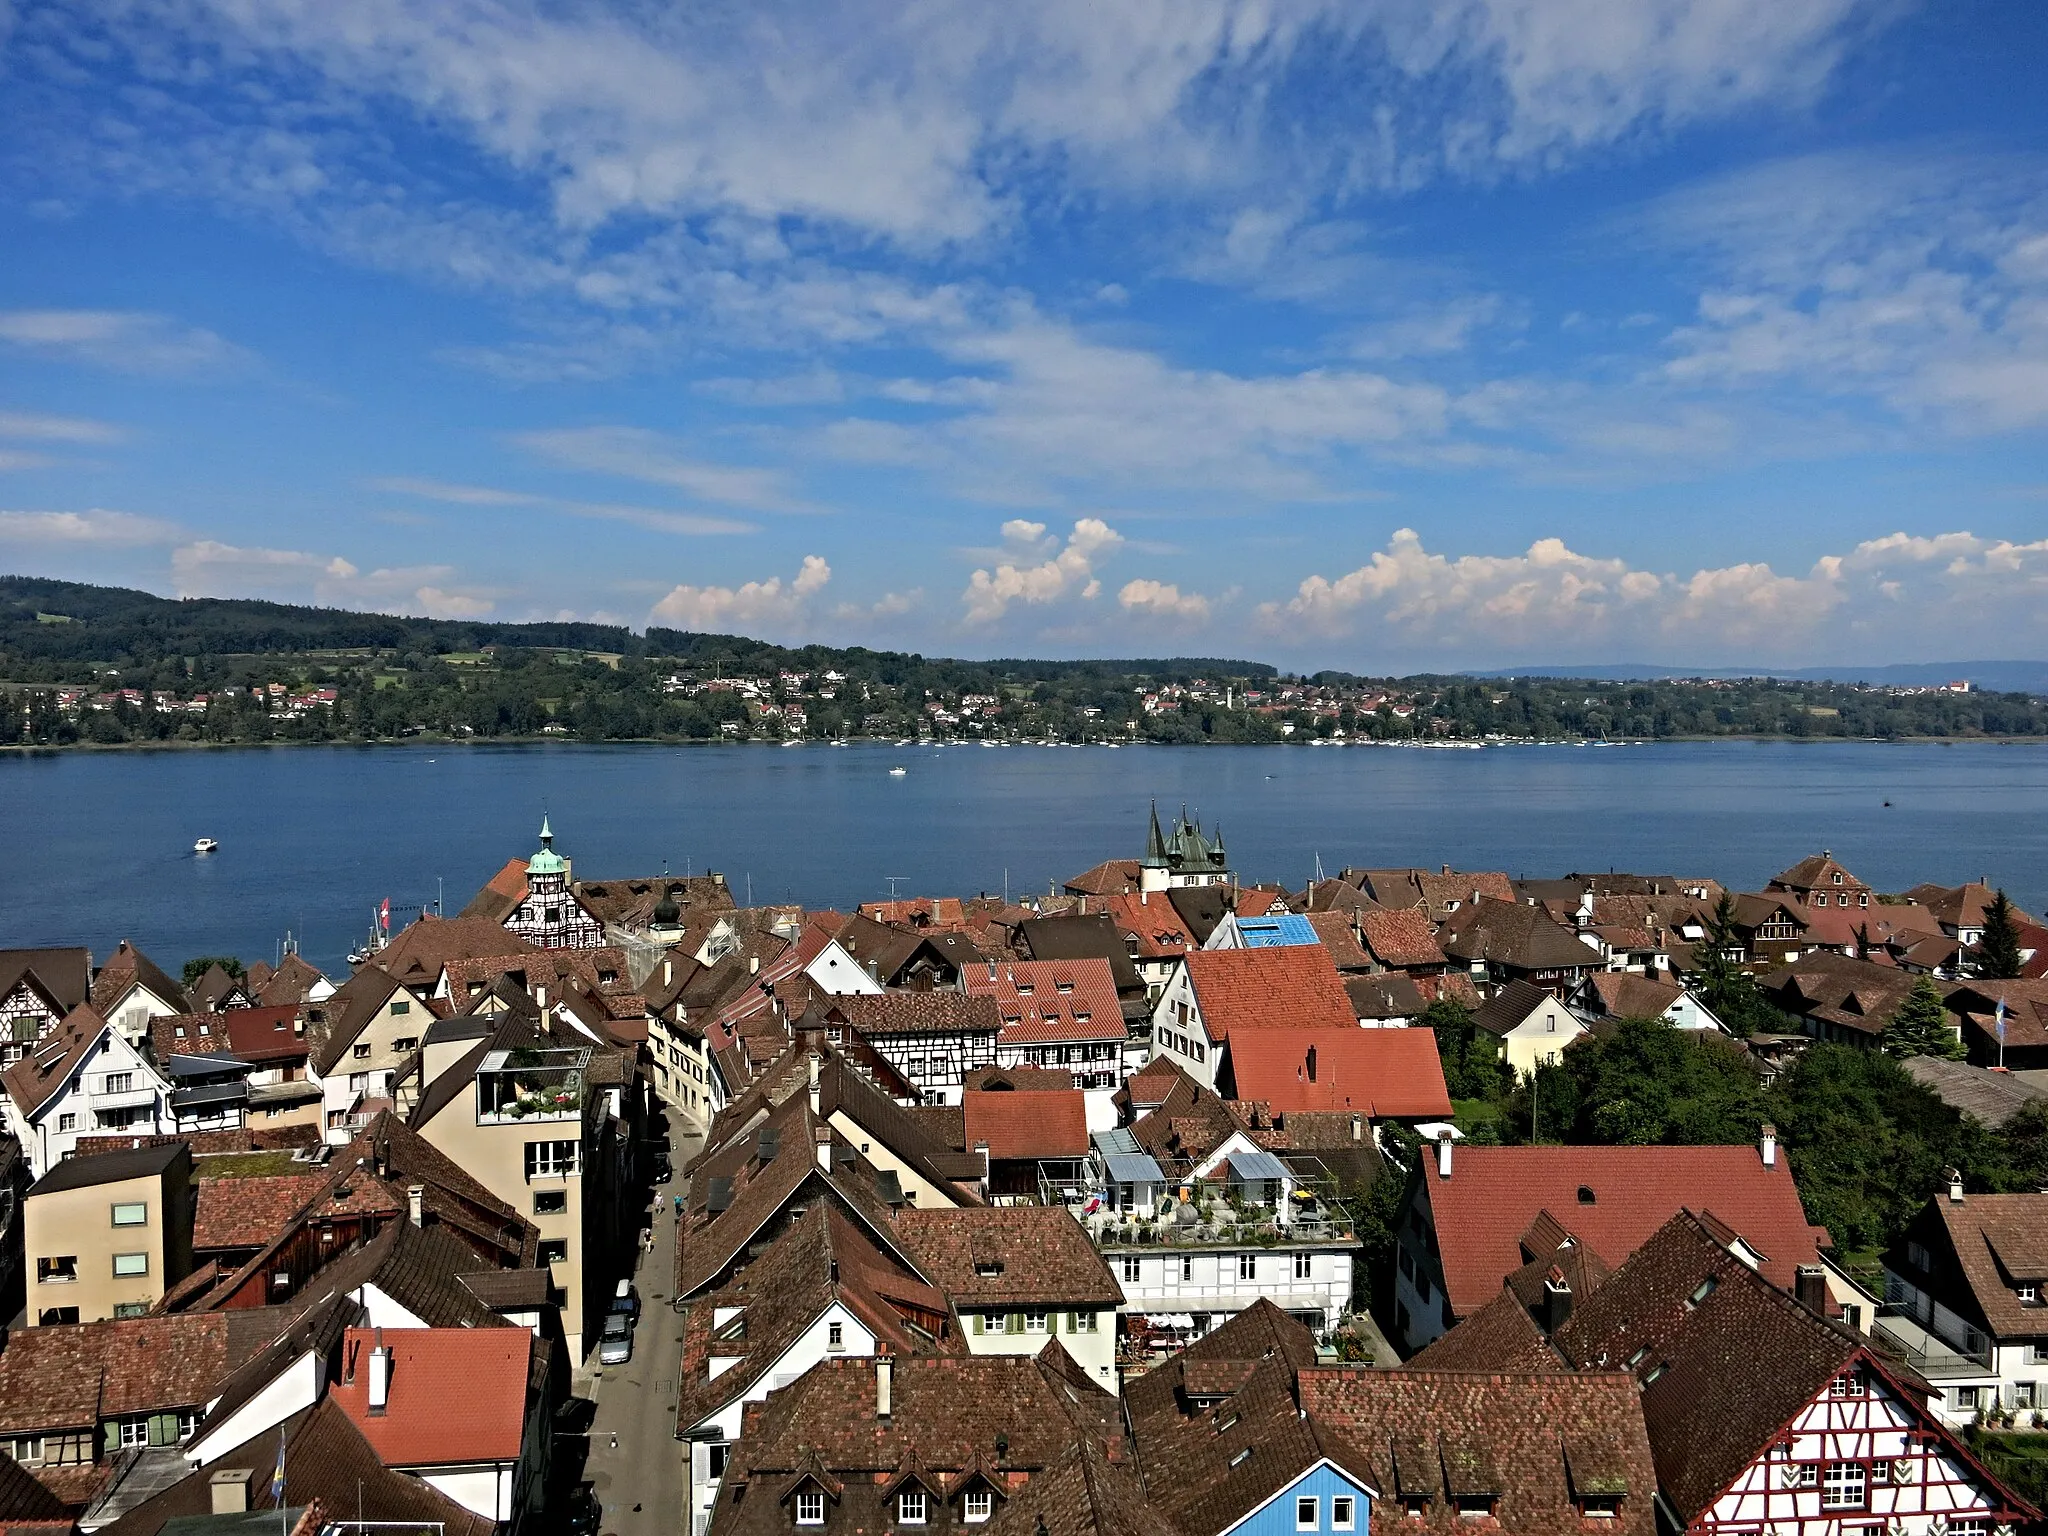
584	1514
664	1170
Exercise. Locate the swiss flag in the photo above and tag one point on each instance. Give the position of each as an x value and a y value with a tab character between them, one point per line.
384	915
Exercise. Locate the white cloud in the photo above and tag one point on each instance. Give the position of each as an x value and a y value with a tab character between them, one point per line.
125	341
637	454
458	495
659	519
1071	571
1163	600
95	526
27	426
1903	592
210	568
751	607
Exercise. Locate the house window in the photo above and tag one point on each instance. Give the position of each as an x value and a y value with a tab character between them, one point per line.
127	1265
63	1269
118	1082
134	1432
67	1122
2040	1353
400	1008
810	1507
28	1450
1187	1266
910	1507
1082	1322
1131	1267
1247	1266
1475	1506
1034	1322
554	1250
1415	1508
1843	1485
409	1043
550	1202
2023	1394
835	1335
362	1051
57	1317
131	1309
131	1215
715	1452
2029	1295
1343	1512
1969	1528
1304	1266
1849	1385
1600	1506
979	1506
550	1159
1305	1515
120	1119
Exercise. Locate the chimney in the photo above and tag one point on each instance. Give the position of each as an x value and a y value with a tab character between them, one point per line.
1767	1144
1955	1186
884	1368
824	1140
814	1082
231	1490
1358	1128
540	995
380	1375
1810	1285
667	968
753	965
1557	1300
1443	1154
416	1203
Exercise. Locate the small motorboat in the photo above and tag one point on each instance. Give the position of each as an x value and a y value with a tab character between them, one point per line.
206	845
897	773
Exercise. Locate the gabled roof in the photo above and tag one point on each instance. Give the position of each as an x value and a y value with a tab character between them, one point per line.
1817	871
240	1213
1049	1000
1292	987
1011	1255
294	978
424	948
1623	995
61	975
1026	1126
1077	936
1111	875
918	1013
40	1076
2000	1242
457	1395
214	986
1513	934
1510	1007
326	1459
1260	1332
500	895
1382	1073
1388	995
128	967
1611	1198
74	1375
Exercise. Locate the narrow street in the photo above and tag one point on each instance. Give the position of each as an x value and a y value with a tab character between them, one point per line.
636	1466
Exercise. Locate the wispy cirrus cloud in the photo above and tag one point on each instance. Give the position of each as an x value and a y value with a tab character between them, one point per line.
93	526
659	519
124	341
638	454
211	568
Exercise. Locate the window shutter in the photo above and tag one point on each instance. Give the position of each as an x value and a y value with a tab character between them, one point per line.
1014	1323
112	1433
977	1322
1073	1323
163	1429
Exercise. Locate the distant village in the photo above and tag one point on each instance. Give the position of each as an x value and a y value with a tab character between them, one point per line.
1173	1204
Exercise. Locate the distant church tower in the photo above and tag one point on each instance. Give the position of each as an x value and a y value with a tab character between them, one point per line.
550	914
1186	858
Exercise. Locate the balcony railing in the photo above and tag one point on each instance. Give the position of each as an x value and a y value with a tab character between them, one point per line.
530	1085
1926	1351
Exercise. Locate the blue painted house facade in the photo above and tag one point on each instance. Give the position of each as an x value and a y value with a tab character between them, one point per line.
1325	1500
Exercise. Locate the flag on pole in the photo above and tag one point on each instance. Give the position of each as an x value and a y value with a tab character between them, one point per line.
384	915
277	1477
1998	1018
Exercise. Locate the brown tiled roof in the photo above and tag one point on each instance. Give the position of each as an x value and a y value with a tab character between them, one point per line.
129	966
326	1458
1500	1336
1293	986
427	945
1626	996
38	1077
26	1504
1026	1126
250	1212
919	1013
630	902
1049	1000
1400	937
70	1376
1508	1007
1225	1355
1815	872
61	975
348	1011
1340	937
1388	995
293	979
1108	876
1018	1079
1511	933
500	894
1016	1255
2001	1242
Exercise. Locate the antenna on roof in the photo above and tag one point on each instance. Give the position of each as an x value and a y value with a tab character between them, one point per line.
892	881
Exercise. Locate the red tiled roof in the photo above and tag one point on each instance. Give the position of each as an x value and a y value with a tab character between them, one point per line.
1159	930
1041	1000
1495	1194
457	1394
1293	986
250	1212
1381	1072
1027	1125
1400	937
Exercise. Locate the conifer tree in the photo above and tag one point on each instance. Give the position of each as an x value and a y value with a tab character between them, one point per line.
1997	954
1921	1027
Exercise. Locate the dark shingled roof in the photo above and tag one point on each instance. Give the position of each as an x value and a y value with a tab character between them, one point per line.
1017	1255
61	975
110	1168
1513	934
919	1013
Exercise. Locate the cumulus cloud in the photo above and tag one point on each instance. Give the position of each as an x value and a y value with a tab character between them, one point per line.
95	526
210	568
1068	572
123	340
1162	600
1905	589
754	605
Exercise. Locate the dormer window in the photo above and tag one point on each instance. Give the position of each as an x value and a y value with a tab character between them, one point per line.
988	1269
1600	1506
1064	987
910	1507
1702	1291
1241	1457
1024	989
810	1506
978	1506
1415	1507
2029	1295
1474	1506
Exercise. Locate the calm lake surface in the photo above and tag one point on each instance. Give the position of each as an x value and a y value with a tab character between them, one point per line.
312	838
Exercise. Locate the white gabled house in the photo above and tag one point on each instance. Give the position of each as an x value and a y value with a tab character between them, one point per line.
85	1079
131	990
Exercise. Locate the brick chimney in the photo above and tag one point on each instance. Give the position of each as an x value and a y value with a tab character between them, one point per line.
1810	1286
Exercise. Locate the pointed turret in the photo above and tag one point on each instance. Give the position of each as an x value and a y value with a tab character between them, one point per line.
1155	841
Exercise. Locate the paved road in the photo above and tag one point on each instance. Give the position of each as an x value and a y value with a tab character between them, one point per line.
643	1483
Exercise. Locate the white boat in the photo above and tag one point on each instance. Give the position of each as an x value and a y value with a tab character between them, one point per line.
206	845
897	773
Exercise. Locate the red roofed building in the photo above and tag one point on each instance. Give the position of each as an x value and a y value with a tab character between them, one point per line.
1388	1074
1219	992
1024	1132
1058	1013
1475	1215
463	1409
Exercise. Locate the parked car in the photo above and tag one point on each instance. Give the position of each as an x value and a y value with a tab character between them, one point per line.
664	1170
615	1344
585	1514
626	1301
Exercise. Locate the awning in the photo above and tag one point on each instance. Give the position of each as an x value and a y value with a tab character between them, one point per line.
1132	1168
209	1095
1251	1167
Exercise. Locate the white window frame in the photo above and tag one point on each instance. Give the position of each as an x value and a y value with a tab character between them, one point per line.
1304	1266
1343	1512
912	1506
1035	1322
1845	1485
810	1506
1308	1512
978	1506
1131	1267
1248	1266
835	1335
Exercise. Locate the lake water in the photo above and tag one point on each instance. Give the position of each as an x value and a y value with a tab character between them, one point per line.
99	844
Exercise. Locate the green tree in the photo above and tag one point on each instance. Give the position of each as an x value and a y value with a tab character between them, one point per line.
1921	1027
1470	1056
1996	956
1729	992
198	965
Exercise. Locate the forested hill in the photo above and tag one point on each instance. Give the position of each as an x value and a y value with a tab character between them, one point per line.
49	628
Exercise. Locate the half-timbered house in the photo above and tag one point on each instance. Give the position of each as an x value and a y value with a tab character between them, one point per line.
38	987
932	1038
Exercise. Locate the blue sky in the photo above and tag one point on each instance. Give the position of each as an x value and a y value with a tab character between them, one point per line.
1373	335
